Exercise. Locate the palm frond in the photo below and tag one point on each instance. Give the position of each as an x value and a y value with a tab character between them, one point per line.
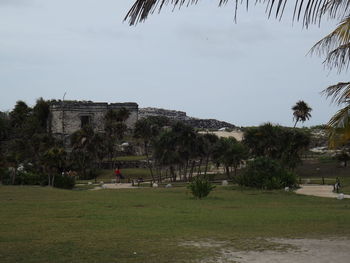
339	58
309	11
339	127
339	36
339	93
335	46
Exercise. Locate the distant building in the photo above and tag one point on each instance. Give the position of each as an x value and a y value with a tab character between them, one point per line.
70	116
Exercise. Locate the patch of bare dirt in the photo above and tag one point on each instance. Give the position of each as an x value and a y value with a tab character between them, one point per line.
295	251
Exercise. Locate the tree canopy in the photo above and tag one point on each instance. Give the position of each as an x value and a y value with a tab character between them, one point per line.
301	112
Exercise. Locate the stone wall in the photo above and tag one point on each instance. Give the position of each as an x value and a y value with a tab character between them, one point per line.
66	117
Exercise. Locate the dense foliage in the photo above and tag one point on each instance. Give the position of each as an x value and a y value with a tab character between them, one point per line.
230	153
282	144
265	173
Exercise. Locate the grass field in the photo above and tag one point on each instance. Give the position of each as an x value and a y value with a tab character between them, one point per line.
51	225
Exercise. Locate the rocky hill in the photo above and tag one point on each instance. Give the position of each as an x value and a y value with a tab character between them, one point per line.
182	116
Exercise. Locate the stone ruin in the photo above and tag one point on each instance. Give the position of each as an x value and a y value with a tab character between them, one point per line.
70	116
182	116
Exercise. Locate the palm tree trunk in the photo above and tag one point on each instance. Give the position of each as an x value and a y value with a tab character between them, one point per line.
148	162
14	175
206	165
228	172
185	172
295	124
199	167
192	168
159	171
172	173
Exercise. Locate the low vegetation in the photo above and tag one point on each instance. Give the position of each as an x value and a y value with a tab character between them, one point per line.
200	187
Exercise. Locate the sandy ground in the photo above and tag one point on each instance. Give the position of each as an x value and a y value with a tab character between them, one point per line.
319	190
305	250
295	251
238	135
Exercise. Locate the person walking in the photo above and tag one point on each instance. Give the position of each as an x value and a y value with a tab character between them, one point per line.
118	175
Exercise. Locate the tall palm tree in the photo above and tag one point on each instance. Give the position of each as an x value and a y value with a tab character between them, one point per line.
301	112
146	131
83	148
115	130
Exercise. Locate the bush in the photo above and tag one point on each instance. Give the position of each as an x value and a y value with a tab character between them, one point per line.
265	173
64	181
22	178
200	187
5	176
28	178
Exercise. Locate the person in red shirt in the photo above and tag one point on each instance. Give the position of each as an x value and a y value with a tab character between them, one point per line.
118	175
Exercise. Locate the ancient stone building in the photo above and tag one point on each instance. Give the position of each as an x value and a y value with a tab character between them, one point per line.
70	116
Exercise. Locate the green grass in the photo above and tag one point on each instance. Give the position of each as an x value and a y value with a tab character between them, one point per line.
52	225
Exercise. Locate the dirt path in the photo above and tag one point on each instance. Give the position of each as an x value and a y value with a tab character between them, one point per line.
319	190
115	186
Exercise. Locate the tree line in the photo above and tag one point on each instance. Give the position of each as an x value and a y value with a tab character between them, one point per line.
179	151
174	150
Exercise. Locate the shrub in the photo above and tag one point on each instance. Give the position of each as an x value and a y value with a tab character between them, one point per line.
265	173
64	181
200	187
28	178
22	178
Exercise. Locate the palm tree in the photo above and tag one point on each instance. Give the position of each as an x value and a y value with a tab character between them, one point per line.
301	112
209	141
339	124
54	159
115	129
83	148
146	131
230	153
165	152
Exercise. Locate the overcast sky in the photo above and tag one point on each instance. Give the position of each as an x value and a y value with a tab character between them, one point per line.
195	60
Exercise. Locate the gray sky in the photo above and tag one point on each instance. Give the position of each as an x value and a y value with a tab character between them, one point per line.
195	60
